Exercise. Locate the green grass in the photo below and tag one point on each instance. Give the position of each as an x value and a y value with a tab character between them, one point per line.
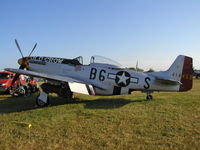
170	121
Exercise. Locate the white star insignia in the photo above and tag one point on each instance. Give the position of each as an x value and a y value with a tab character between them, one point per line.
122	78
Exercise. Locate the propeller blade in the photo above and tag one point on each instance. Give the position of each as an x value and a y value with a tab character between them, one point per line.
18	47
23	62
33	49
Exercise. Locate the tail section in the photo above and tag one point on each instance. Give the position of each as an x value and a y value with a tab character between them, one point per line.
187	75
181	71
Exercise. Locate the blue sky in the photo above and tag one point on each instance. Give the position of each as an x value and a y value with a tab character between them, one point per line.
152	32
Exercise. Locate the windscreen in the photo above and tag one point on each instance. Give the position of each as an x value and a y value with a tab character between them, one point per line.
104	60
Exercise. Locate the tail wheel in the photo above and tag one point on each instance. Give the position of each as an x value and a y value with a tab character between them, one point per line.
149	97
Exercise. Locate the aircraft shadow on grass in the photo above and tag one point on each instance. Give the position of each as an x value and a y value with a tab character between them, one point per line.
18	104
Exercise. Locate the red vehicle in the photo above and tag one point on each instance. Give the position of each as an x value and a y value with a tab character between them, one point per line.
23	86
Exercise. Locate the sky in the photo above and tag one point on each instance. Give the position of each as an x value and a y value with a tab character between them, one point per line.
152	32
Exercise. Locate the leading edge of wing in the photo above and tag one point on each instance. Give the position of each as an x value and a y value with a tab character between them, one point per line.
41	75
52	76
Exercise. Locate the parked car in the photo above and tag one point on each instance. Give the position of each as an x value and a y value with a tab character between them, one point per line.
197	73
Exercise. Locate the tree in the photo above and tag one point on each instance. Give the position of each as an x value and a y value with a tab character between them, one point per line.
151	70
134	69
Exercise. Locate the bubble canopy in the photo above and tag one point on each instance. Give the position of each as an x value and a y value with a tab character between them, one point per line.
103	60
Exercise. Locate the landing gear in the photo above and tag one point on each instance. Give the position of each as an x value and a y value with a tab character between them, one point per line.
62	90
65	92
42	99
149	97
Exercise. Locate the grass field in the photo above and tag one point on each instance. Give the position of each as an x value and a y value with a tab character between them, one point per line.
170	122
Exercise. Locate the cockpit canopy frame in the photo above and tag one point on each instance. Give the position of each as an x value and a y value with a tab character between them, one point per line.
103	60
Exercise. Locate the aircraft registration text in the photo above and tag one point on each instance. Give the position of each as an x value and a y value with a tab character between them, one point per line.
49	59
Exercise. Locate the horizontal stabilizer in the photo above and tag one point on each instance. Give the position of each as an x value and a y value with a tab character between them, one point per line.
167	81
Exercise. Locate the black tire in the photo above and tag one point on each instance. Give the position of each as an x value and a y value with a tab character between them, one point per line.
65	93
40	103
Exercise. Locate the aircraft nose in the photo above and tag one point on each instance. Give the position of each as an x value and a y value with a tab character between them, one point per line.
20	61
24	62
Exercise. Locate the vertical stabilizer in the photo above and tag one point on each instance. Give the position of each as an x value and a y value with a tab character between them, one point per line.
181	70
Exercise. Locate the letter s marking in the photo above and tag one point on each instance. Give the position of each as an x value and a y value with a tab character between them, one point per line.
147	79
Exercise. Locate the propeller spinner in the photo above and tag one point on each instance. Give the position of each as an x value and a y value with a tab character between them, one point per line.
23	62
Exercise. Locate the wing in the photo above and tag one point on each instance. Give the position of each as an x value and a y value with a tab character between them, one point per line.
61	78
42	75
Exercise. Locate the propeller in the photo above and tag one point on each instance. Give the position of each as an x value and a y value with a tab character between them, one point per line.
33	49
19	47
23	62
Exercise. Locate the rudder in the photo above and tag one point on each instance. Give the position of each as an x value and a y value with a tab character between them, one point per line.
187	75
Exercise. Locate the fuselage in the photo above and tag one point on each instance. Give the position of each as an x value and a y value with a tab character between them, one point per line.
112	79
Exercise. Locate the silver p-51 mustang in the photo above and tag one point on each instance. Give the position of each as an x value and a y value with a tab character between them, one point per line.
101	77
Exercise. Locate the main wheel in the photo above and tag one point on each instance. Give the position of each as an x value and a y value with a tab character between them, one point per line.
40	102
67	94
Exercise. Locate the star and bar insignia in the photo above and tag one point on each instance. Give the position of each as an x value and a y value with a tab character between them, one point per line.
122	78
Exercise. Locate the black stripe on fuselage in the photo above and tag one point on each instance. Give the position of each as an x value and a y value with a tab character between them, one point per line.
117	90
